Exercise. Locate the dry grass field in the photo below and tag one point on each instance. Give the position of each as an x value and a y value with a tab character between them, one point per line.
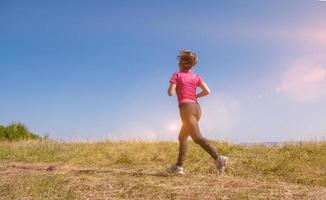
45	169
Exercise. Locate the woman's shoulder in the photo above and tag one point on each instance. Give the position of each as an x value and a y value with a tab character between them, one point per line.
196	74
187	74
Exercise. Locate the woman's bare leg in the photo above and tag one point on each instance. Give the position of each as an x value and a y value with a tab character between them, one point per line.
190	114
183	146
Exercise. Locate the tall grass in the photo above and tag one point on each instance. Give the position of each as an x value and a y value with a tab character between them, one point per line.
302	163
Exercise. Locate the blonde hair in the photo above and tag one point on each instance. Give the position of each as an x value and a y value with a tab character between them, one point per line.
187	59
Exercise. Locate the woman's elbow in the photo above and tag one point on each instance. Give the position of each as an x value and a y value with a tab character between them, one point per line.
170	93
208	92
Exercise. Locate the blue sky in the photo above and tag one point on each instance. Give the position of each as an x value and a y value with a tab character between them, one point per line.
99	69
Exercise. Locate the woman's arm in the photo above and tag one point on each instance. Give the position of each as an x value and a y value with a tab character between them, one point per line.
171	89
205	90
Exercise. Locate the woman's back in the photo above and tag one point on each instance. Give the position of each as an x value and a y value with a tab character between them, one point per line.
186	85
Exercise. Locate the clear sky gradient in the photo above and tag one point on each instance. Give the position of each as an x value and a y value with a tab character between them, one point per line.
100	69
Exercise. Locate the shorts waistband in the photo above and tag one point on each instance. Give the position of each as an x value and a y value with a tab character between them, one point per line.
185	103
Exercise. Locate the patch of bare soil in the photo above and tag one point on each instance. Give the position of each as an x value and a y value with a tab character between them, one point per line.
98	183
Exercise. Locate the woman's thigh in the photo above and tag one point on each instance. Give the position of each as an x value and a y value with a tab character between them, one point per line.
188	110
190	114
198	112
193	127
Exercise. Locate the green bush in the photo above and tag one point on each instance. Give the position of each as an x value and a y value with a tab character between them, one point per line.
2	132
16	131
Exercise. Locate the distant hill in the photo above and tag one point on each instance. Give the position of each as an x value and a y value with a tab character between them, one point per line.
16	131
265	143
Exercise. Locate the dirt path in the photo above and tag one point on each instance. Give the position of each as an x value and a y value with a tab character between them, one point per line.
40	181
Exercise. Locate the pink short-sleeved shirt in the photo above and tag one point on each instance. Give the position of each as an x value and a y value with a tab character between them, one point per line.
186	85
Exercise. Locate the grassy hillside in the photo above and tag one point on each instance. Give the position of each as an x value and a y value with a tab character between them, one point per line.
16	131
135	170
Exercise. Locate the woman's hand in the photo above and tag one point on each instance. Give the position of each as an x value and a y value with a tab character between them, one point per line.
205	90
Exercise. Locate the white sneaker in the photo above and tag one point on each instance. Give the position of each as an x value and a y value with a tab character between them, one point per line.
221	163
175	169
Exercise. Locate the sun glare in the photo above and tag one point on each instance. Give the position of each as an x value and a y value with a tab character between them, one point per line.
172	127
